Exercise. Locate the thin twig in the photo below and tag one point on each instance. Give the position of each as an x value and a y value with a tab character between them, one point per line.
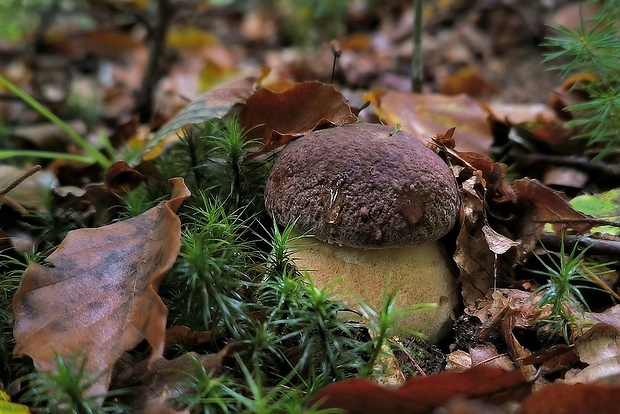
609	171
336	51
47	18
20	179
595	246
144	101
413	361
416	60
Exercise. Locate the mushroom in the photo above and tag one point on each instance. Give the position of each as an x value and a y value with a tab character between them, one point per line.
376	202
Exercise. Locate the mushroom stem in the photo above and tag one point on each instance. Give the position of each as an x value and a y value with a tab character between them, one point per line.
423	273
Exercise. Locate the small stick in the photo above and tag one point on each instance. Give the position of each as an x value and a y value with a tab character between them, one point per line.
336	51
595	246
20	180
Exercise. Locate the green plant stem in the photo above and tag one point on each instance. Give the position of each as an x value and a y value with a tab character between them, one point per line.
95	154
416	61
46	154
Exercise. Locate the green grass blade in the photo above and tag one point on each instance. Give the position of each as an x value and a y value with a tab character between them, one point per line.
94	153
46	154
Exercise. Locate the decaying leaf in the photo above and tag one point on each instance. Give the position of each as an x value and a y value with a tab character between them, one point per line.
507	309
276	118
575	399
99	297
599	347
476	262
424	115
164	379
489	204
550	206
423	394
214	104
487	354
498	243
611	316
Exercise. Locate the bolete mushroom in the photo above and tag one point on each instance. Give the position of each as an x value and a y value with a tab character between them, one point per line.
376	202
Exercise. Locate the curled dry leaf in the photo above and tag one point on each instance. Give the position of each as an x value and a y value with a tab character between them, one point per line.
277	118
423	394
506	310
475	260
99	297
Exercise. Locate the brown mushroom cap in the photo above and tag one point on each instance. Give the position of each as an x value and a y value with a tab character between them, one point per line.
359	186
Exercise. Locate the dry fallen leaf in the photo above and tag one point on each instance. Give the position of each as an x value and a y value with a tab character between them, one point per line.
165	379
599	347
99	297
423	394
213	104
424	116
574	399
276	118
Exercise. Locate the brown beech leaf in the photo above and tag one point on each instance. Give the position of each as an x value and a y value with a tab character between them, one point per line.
550	206
472	255
423	394
276	118
99	297
599	347
213	104
164	379
575	399
611	316
423	116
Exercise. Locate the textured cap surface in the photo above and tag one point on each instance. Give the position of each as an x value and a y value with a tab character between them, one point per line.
359	186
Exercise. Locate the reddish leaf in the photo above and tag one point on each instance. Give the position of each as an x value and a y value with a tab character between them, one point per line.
100	297
494	174
276	118
422	394
107	44
180	334
575	399
550	206
424	116
469	81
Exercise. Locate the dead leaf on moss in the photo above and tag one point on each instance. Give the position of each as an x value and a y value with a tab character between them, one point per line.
164	380
277	118
214	104
99	298
423	394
